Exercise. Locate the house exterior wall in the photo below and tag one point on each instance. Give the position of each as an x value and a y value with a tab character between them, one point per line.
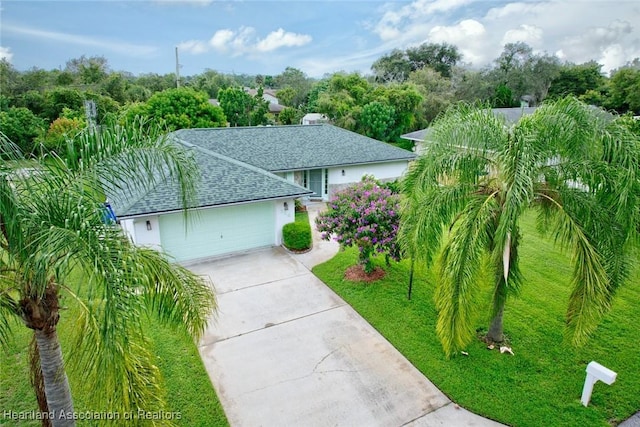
284	215
352	174
136	229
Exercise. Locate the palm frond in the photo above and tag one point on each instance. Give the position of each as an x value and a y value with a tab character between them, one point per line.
460	264
591	284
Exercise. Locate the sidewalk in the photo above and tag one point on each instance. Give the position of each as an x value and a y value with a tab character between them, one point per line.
287	351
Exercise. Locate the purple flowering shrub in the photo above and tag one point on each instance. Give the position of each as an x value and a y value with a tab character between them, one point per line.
365	215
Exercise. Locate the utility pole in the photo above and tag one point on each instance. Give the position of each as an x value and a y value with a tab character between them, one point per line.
177	69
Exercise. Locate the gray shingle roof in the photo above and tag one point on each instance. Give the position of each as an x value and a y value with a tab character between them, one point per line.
287	148
511	115
223	181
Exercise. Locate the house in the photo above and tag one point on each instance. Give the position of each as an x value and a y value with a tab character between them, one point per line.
271	97
314	119
250	178
510	115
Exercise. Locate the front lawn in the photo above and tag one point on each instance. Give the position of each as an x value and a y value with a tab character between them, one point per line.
542	383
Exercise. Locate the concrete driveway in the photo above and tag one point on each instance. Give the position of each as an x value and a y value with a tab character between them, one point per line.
285	350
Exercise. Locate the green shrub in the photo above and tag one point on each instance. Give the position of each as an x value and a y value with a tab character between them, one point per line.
296	236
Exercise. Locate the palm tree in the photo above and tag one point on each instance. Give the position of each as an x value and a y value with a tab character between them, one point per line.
578	167
55	242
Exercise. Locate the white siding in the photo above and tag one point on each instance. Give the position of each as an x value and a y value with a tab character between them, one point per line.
141	233
382	171
283	216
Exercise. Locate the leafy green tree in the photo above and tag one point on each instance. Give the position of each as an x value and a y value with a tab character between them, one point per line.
260	109
211	82
180	108
290	116
286	96
577	80
314	94
156	82
22	127
54	242
440	57
115	86
137	93
523	72
377	120
437	94
624	90
64	78
343	99
237	105
59	98
393	67
471	85
405	100
578	168
35	79
296	80
399	64
503	97
90	70
33	100
10	79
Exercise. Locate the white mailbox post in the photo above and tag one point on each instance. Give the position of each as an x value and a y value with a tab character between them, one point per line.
596	372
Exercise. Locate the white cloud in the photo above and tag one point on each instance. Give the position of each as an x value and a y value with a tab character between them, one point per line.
220	39
577	31
467	35
128	49
244	41
282	38
614	56
396	22
595	40
529	34
5	53
193	47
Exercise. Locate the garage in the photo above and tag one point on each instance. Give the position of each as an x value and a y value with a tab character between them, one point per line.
217	231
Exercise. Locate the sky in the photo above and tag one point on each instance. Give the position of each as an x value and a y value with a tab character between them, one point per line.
317	37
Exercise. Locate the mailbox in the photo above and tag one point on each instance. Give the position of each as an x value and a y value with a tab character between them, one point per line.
596	372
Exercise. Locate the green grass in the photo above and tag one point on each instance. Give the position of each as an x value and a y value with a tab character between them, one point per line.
541	385
188	388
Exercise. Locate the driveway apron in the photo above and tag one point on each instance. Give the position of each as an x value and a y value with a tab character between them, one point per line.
285	350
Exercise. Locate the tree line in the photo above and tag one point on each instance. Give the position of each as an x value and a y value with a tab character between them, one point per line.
405	91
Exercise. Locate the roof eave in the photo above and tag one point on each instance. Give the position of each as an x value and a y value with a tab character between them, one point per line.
220	205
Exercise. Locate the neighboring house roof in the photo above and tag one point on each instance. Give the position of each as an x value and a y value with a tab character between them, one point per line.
511	115
275	108
223	181
254	92
297	147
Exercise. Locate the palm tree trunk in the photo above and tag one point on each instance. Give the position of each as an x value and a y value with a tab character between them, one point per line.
495	333
56	384
37	381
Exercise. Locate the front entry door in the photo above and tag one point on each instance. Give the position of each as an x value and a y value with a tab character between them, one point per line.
315	182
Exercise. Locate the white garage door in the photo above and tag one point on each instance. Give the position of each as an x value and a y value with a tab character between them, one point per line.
218	231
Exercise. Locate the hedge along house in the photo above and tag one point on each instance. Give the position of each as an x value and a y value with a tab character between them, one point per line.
250	178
